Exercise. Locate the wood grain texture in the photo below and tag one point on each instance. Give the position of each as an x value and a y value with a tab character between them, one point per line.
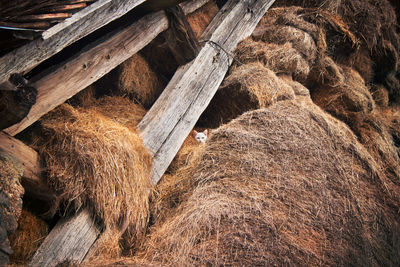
90	65
32	179
191	6
174	114
68	242
60	36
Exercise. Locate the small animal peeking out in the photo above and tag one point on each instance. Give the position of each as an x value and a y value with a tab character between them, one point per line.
200	137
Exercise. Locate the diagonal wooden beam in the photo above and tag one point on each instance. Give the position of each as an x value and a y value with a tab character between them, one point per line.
63	34
32	179
174	114
89	65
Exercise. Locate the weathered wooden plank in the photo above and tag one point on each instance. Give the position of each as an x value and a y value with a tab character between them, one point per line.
30	161
191	6
180	37
174	114
90	65
68	242
15	104
63	34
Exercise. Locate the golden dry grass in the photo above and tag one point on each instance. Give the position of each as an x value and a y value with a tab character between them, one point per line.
295	188
200	19
135	78
95	158
27	238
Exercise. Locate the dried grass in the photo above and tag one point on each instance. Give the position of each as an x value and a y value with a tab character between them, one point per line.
380	95
296	188
248	87
300	40
95	159
350	101
136	79
278	58
200	19
27	238
11	192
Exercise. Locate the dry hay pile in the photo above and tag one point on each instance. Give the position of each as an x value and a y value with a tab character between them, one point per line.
247	87
296	188
95	158
11	192
27	238
200	19
133	78
375	26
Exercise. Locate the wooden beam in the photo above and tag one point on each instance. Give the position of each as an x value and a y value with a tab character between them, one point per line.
191	6
29	159
89	65
16	104
180	37
63	34
174	114
78	233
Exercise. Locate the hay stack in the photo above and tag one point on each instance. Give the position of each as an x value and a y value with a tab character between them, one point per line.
133	78
248	87
11	192
349	101
27	238
278	58
200	19
95	159
375	27
137	79
286	185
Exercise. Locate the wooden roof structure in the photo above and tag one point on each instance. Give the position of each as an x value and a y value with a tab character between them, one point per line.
167	123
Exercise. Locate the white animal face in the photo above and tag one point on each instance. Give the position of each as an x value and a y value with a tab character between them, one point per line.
200	137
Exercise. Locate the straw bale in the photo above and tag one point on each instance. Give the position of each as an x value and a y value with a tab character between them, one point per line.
392	83
326	72
376	133
135	78
278	58
350	101
98	161
248	87
286	185
361	61
200	19
27	238
11	192
301	41
119	109
380	95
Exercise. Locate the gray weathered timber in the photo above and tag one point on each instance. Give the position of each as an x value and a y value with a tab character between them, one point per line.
30	161
174	114
68	242
191	6
60	36
90	65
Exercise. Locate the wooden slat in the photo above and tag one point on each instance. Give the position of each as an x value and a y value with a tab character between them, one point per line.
191	6
78	233
50	17
174	114
90	65
63	34
30	161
